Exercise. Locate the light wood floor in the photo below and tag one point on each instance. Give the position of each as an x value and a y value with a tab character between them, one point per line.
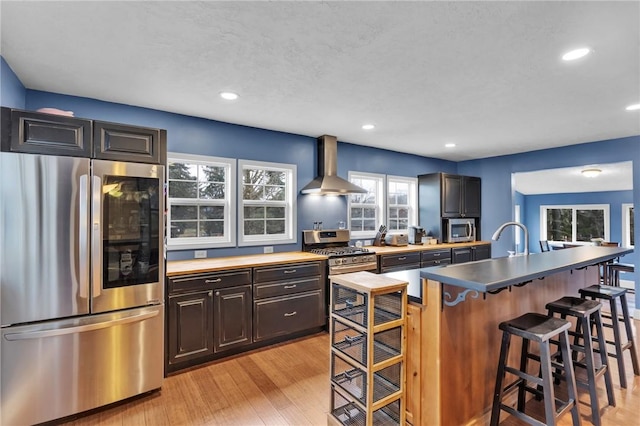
287	384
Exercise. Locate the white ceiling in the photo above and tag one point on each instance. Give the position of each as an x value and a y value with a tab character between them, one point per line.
484	75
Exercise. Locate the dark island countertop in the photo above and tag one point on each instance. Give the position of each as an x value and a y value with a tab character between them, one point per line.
494	274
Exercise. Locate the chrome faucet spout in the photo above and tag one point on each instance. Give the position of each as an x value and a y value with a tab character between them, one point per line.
496	234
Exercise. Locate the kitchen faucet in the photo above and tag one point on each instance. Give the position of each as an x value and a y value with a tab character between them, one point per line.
496	234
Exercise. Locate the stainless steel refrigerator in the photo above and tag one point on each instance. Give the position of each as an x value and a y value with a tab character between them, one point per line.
81	284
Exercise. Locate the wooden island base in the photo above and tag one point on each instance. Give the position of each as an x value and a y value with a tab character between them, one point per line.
453	351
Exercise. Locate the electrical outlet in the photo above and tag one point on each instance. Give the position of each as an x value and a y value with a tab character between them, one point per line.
200	254
367	242
268	249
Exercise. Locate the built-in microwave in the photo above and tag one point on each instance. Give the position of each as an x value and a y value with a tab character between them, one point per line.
459	230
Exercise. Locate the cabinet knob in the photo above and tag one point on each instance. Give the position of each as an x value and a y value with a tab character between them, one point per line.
217	293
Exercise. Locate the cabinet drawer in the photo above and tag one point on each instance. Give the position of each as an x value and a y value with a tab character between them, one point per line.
435	262
436	255
261	291
287	272
401	267
212	280
128	143
284	315
400	259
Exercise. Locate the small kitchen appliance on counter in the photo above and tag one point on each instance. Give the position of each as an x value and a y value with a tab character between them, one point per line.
397	240
416	233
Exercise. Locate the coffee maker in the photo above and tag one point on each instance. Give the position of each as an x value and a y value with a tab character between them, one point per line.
415	234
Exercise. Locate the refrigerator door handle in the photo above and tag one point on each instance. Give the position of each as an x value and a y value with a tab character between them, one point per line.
80	328
96	235
83	238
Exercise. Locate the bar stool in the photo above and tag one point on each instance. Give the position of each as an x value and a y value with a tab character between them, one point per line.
539	328
586	312
613	295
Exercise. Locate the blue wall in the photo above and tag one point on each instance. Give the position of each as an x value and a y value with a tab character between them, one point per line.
208	137
12	91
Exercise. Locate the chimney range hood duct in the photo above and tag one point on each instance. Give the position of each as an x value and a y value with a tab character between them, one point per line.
328	182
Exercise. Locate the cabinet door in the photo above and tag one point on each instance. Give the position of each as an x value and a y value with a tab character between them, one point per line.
190	333
279	316
461	255
471	197
482	252
38	133
120	142
232	324
451	195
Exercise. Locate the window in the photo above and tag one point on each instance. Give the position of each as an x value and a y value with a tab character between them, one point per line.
365	210
627	225
574	223
267	212
201	198
401	203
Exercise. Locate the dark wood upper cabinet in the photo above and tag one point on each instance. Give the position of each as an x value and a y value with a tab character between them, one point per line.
460	196
121	142
39	133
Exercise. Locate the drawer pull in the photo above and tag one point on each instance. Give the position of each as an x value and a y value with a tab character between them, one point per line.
290	271
402	258
291	286
436	254
217	280
290	314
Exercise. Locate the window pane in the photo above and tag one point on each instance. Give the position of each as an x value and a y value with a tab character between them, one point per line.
356	225
184	229
212	174
183	212
393	213
212	191
212	228
403	213
254	212
254	227
275	178
369	212
275	212
356	212
590	224
403	224
559	224
275	227
274	193
183	171
183	189
369	225
211	212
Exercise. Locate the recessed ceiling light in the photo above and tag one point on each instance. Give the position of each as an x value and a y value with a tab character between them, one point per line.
633	107
449	145
368	126
591	172
576	54
230	96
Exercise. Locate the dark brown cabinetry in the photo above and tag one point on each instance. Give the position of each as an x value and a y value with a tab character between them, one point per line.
399	262
287	299
442	196
435	257
190	328
471	253
40	133
232	326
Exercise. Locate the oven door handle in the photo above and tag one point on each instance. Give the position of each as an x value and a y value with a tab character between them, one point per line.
334	270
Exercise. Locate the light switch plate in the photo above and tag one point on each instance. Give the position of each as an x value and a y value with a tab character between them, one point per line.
200	254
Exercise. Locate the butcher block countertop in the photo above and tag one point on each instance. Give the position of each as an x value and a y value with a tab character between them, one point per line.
194	266
421	247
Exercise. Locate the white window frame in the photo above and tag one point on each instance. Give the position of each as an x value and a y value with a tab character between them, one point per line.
412	202
626	220
379	204
574	208
229	203
290	235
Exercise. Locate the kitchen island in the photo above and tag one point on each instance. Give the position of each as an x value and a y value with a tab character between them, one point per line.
453	339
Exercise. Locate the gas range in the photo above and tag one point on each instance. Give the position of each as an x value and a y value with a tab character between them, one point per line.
342	258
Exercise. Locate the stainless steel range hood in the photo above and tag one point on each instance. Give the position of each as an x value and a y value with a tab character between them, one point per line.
328	182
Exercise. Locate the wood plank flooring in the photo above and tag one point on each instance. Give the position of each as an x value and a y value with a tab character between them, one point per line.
288	384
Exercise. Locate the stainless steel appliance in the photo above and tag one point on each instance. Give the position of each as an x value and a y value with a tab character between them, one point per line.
81	284
342	258
416	233
396	240
459	230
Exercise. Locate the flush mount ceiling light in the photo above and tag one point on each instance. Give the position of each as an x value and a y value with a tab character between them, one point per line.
591	172
230	96
634	107
576	54
368	127
450	145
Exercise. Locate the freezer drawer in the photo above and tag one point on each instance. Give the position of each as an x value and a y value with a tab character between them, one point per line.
59	368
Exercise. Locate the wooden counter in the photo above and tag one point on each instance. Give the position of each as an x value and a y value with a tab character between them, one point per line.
193	266
421	247
453	351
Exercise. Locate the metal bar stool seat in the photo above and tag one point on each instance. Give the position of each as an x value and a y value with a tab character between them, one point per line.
613	295
587	313
540	329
